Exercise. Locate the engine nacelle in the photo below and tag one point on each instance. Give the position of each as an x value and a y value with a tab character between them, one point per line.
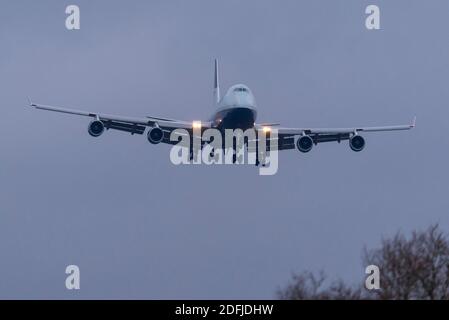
96	128
357	143
155	135
304	144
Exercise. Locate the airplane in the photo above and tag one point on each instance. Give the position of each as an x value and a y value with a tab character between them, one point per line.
235	110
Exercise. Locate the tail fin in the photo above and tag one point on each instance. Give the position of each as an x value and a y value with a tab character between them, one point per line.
216	84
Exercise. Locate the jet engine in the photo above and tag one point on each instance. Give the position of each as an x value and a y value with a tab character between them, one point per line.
304	144
357	143
96	128
155	135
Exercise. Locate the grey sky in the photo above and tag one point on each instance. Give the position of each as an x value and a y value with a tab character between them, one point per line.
139	227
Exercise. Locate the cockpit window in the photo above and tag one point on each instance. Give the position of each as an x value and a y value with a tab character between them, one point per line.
240	90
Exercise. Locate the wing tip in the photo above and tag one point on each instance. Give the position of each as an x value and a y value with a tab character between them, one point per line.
413	122
30	102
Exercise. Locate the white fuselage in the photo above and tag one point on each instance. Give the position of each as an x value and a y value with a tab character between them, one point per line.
236	110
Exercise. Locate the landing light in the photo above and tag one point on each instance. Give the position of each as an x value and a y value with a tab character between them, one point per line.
266	129
196	124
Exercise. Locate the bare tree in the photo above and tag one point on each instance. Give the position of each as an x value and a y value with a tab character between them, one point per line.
410	268
310	286
413	268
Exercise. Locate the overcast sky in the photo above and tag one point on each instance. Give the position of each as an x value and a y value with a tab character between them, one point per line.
140	227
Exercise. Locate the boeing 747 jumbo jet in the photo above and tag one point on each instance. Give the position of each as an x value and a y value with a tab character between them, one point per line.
235	110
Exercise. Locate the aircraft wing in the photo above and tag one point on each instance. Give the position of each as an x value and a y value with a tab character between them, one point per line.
319	131
133	125
286	136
